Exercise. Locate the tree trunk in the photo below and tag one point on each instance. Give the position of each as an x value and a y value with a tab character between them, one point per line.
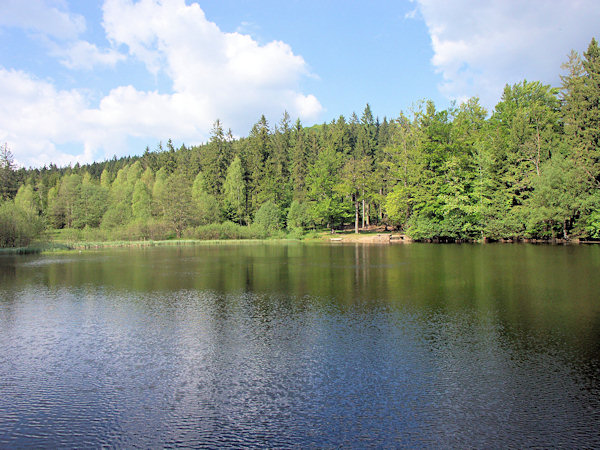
380	203
355	215
363	211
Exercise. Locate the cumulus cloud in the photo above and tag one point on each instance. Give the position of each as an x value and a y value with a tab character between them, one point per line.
221	73
37	120
35	117
213	75
480	46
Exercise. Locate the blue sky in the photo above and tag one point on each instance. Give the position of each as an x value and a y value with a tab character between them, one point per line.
85	80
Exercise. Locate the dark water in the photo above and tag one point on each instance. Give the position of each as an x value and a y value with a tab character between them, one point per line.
299	345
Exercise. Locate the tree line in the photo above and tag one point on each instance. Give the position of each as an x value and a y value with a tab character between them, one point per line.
529	169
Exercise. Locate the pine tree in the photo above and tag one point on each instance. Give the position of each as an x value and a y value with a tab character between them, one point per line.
581	110
215	158
299	162
403	163
8	186
257	151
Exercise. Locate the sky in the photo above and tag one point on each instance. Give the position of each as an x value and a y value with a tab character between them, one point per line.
82	81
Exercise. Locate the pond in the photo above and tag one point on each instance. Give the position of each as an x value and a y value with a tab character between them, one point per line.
289	344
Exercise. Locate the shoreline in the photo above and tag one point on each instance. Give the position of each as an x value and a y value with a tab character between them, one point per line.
325	237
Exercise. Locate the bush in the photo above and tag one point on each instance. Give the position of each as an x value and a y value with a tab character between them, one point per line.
225	230
18	227
135	231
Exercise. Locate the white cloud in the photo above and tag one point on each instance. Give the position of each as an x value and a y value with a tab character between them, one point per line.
224	75
479	46
58	30
83	55
46	17
35	118
214	75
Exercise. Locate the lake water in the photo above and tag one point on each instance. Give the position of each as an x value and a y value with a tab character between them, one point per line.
302	345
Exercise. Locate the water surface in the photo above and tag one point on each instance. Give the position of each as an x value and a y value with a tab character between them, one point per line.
290	344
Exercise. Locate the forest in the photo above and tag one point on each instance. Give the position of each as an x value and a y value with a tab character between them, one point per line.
528	169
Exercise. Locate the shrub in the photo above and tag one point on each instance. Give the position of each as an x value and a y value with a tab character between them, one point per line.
18	227
225	230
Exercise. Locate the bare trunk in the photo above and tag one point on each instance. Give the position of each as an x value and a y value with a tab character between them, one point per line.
363	210
355	215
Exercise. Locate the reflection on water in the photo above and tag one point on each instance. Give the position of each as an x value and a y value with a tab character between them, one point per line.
302	345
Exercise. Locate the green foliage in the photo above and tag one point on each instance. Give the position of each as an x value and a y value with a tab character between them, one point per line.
141	201
176	201
90	207
268	218
327	208
593	224
557	197
18	226
298	218
532	169
159	192
421	226
226	230
235	192
398	204
63	201
581	110
8	181
206	207
26	200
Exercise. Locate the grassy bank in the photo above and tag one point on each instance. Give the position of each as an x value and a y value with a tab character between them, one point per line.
36	248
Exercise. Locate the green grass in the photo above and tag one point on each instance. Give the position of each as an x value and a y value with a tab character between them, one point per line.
36	248
164	243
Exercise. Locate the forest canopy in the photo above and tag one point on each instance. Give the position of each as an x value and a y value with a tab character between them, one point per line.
528	169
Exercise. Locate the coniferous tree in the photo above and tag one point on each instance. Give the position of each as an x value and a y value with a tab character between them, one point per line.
257	150
299	162
581	110
404	165
8	186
